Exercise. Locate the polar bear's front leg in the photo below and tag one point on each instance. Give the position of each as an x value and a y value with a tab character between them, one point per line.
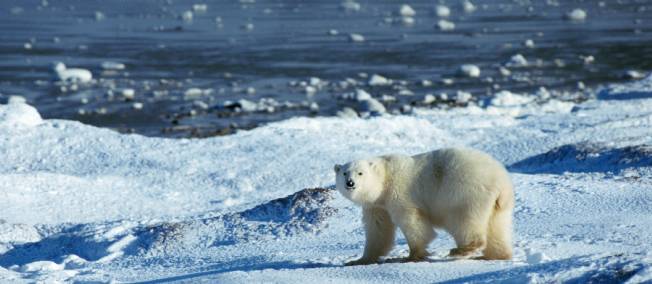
379	231
418	232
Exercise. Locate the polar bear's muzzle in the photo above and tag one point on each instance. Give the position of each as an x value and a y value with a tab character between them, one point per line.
350	184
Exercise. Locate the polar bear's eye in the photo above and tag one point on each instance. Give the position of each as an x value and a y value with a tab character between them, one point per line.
359	174
344	174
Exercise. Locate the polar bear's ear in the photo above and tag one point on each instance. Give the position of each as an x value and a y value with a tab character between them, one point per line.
337	168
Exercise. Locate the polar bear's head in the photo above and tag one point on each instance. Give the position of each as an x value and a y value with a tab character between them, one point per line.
361	181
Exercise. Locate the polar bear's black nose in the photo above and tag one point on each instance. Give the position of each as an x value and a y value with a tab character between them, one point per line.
350	183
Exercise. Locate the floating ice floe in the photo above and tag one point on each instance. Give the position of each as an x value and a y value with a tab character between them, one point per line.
407	21
528	43
350	5
442	11
200	8
462	97
429	99
112	65
468	6
99	16
248	26
187	16
378	80
587	59
576	15
504	71
633	74
517	60
406	11
445	25
71	75
356	38
128	93
361	95
469	70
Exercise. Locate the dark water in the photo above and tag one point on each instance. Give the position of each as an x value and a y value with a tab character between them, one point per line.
289	43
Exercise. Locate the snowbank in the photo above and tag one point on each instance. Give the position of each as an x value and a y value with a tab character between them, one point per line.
18	114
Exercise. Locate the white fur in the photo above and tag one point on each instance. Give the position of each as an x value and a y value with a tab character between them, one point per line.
463	191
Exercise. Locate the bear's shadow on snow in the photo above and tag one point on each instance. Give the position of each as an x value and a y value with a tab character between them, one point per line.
609	269
244	265
586	157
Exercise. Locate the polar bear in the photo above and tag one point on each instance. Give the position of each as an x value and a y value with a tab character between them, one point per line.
463	191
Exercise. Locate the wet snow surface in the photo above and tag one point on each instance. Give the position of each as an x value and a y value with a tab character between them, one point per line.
88	204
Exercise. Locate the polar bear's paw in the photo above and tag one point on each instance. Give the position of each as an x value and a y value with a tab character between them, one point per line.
361	261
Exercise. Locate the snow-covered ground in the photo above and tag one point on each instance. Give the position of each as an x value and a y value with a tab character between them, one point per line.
83	203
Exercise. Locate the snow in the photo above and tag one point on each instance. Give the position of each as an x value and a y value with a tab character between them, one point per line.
18	114
84	204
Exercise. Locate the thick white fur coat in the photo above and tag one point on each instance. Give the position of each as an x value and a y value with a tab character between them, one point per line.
463	191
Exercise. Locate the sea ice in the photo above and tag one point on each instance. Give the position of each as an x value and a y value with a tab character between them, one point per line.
442	11
445	25
469	70
406	11
576	15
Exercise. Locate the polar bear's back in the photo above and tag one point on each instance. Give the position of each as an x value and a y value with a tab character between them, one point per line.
459	177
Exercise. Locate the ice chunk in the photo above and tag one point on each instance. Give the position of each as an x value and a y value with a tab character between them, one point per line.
469	70
112	65
406	11
468	6
350	6
576	15
462	97
517	60
378	80
445	25
200	8
356	37
442	11
19	114
187	16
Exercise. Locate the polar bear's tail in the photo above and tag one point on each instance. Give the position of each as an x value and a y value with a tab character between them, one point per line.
499	235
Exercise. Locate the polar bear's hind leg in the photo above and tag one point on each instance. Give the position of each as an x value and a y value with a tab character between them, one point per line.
499	236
